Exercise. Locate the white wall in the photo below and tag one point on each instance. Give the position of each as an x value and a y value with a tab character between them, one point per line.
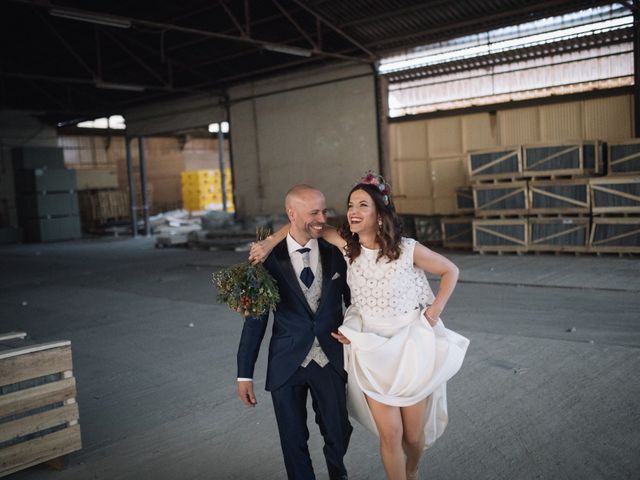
316	127
166	117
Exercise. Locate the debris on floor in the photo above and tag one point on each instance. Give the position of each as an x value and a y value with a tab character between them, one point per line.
212	230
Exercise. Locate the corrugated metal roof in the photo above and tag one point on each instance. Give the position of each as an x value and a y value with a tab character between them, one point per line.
174	48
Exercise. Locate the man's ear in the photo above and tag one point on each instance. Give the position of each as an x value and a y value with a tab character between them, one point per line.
290	214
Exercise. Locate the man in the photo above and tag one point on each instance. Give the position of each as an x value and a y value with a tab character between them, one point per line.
303	357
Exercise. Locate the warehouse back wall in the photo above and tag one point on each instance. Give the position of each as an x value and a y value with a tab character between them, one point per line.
317	127
429	157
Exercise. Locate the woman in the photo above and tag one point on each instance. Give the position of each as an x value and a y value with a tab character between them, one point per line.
398	354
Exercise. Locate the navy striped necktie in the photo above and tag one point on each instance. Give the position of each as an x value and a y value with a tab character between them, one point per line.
306	275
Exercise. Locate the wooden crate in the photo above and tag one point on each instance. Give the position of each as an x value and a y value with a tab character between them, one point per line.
504	162
559	196
464	200
500	235
38	409
506	198
615	194
576	158
624	157
427	230
457	232
563	234
99	206
615	235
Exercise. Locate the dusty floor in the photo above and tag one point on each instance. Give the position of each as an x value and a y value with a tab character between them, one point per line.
157	398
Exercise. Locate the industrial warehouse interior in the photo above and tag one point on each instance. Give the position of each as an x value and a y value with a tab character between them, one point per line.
145	147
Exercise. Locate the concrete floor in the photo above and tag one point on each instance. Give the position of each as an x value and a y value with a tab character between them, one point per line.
157	396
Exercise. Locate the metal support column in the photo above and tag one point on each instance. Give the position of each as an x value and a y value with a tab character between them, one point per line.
143	186
132	192
222	176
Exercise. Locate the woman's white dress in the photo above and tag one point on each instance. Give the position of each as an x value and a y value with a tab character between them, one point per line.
395	356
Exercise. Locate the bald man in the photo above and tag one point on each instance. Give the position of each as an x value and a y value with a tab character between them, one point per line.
303	357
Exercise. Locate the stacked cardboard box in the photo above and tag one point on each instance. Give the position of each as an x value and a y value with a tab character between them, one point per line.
45	194
202	190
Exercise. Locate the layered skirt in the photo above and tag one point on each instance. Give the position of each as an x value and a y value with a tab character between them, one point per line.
400	362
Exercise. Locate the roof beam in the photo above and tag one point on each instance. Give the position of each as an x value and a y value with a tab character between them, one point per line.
295	24
232	17
66	44
136	58
329	24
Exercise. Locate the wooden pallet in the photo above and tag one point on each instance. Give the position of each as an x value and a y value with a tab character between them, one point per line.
574	158
457	232
495	163
500	235
615	194
38	409
500	199
100	206
559	197
624	157
564	234
615	235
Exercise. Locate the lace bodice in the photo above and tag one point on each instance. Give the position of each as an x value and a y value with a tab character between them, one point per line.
383	290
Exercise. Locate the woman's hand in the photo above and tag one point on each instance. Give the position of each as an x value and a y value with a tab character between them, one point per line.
432	316
341	338
260	251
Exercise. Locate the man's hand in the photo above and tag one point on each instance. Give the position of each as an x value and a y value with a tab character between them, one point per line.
245	392
341	338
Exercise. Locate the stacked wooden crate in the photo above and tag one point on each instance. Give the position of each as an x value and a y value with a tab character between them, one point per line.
541	198
500	200
101	202
457	231
202	190
38	409
560	204
45	194
615	201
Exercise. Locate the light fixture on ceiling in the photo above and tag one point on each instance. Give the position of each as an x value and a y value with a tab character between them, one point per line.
276	47
119	86
84	16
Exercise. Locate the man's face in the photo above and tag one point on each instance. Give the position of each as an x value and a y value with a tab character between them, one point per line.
308	214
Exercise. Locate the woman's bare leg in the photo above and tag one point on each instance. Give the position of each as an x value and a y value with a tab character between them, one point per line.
389	423
413	434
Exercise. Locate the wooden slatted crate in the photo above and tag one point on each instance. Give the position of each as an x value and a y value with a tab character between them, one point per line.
496	163
615	235
624	157
506	198
38	409
99	206
457	232
500	235
575	158
559	196
615	194
464	200
559	234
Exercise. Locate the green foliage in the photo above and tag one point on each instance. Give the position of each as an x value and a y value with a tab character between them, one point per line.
247	289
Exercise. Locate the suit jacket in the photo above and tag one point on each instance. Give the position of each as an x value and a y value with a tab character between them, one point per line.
294	323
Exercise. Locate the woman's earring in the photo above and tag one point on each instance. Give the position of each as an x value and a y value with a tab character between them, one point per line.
379	224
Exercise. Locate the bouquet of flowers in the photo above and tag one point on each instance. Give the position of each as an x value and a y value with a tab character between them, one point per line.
247	289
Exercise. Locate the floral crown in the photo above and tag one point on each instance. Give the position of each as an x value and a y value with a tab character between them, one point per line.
377	181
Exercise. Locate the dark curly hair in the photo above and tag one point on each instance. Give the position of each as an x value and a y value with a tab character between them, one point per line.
388	236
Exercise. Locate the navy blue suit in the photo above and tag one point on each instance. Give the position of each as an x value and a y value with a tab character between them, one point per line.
294	328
